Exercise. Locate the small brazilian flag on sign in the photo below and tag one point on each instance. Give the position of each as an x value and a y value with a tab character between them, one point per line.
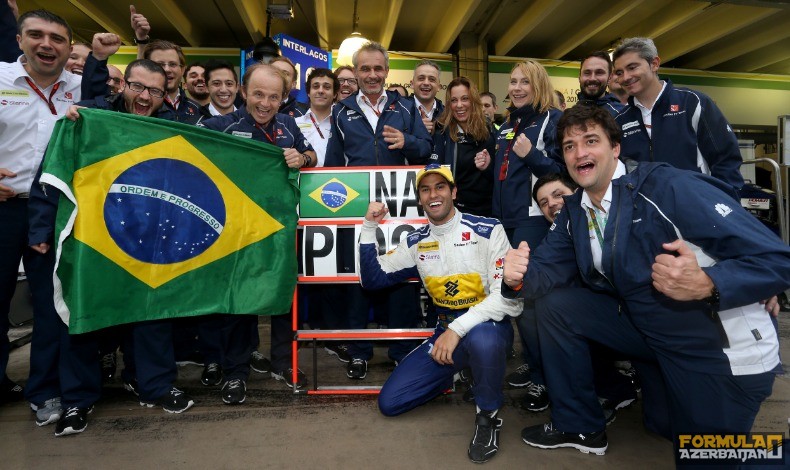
167	220
328	194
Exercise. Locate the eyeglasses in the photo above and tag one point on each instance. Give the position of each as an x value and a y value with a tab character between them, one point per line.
138	87
350	81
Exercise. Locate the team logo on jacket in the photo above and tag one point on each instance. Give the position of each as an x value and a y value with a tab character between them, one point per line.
334	195
723	209
629	125
674	108
500	263
68	95
429	256
466	236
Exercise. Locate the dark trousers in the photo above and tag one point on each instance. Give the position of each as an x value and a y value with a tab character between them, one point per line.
199	334
526	323
675	399
60	365
419	379
239	338
149	357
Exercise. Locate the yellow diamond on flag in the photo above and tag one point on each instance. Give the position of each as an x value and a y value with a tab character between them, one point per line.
181	208
334	195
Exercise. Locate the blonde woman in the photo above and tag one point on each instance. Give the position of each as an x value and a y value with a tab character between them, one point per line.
527	149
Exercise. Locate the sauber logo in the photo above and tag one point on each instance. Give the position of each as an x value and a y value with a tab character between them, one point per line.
674	108
500	263
68	95
466	236
451	288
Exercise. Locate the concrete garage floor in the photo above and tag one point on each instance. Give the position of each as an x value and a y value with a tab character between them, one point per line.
276	429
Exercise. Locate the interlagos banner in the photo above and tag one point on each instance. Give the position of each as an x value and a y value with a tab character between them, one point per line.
332	207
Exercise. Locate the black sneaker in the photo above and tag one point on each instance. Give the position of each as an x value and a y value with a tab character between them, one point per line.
10	391
634	377
174	401
357	369
109	364
485	442
616	404
546	437
131	386
259	363
287	377
212	375
192	359
338	350
519	377
234	392
73	421
536	399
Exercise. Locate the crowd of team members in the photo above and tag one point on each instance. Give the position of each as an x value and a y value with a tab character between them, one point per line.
504	179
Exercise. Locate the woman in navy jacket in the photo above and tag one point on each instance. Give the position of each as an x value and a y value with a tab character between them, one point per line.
462	135
527	149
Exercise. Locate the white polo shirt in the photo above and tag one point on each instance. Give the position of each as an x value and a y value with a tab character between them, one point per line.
26	121
316	132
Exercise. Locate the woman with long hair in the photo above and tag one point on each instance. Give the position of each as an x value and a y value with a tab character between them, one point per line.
461	136
527	149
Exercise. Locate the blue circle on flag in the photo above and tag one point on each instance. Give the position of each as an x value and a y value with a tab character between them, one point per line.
164	211
334	194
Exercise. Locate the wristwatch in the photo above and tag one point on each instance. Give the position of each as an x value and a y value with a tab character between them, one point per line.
142	41
714	298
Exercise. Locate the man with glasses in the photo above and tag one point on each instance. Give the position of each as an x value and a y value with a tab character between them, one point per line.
148	346
348	82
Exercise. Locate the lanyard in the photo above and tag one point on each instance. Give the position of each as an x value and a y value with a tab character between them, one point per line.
374	108
41	95
597	228
423	113
321	134
268	136
506	160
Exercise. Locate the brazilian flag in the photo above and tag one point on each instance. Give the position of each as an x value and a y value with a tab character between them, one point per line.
158	220
334	194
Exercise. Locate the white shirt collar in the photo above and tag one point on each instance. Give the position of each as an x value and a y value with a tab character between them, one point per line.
427	111
363	100
21	72
606	202
663	86
214	111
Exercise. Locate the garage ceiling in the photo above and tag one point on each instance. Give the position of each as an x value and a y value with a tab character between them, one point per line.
749	36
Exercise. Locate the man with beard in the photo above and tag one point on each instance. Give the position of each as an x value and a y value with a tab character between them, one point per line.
195	83
665	123
375	127
594	75
150	366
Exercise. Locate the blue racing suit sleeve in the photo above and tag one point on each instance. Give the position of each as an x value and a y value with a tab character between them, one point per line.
378	272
